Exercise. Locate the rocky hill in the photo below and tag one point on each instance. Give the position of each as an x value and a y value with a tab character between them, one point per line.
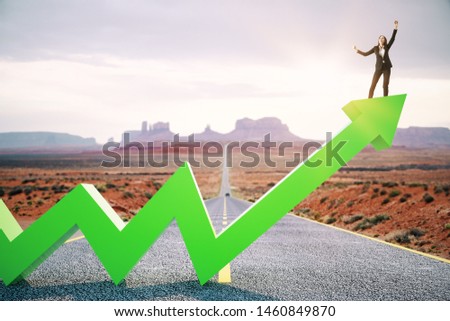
247	129
422	137
45	141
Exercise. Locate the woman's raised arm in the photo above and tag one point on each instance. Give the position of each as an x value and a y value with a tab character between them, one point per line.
391	41
371	51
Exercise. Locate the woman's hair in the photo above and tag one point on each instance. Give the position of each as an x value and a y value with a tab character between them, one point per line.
385	40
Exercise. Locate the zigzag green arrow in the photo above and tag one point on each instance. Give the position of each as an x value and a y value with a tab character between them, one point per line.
120	247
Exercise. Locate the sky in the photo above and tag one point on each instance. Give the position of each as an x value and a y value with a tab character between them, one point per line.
96	68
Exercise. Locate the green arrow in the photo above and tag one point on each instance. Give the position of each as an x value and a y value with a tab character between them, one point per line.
120	246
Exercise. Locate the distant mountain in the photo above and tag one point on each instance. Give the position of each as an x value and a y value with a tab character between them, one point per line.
421	137
210	135
246	129
45	141
160	131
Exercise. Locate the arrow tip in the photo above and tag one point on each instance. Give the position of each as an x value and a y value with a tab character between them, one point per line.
381	114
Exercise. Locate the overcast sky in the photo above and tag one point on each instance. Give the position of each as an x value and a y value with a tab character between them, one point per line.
96	68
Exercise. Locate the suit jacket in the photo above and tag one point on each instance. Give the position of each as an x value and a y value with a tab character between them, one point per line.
380	60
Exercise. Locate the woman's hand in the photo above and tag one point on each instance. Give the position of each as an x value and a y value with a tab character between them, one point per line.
354	48
395	24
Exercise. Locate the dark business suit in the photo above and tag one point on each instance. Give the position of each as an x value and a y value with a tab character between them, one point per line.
383	66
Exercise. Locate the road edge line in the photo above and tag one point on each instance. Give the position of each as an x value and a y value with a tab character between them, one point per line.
375	239
74	239
225	272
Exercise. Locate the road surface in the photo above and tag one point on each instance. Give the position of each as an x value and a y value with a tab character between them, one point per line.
295	260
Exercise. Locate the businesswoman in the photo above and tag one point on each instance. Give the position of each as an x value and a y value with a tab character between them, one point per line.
383	63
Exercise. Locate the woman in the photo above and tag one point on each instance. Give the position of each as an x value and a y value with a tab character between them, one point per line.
383	64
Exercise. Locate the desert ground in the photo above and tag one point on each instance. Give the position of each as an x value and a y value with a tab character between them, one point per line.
397	195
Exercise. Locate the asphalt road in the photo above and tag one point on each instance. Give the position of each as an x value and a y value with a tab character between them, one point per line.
295	260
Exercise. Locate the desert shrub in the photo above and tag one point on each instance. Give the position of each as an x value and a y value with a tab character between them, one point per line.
271	184
376	190
414	184
15	191
447	226
379	218
2	191
405	236
428	198
29	180
353	219
366	187
416	232
148	195
59	188
442	188
383	192
331	204
350	203
365	224
110	185
27	190
304	210
340	184
405	197
323	199
422	243
389	184
371	221
394	193
330	220
307	212
157	185
127	194
358	182
424	186
446	189
385	201
402	238
100	188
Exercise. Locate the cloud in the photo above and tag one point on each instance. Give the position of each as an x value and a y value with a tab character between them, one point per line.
96	68
264	31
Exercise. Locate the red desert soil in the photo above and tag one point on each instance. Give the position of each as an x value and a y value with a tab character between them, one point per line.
407	204
29	193
413	215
